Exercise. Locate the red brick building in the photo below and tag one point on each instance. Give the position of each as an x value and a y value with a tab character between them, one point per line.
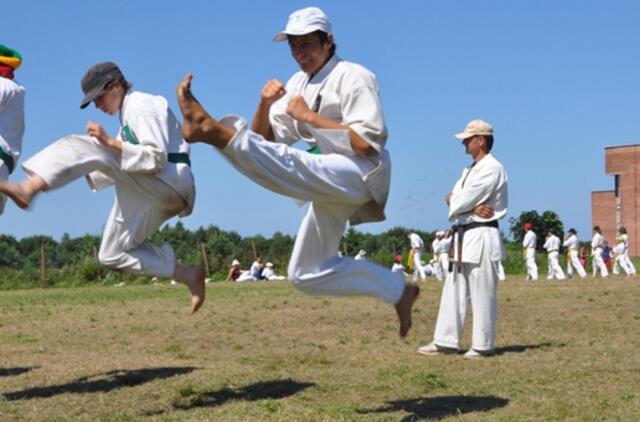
620	206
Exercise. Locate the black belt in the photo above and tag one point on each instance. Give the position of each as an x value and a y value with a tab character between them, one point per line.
555	250
179	157
459	230
8	160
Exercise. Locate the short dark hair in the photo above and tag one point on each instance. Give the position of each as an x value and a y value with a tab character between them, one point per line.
125	84
324	37
488	141
622	230
596	228
573	231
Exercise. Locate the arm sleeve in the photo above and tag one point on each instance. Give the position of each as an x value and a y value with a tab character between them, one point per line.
475	192
362	112
150	154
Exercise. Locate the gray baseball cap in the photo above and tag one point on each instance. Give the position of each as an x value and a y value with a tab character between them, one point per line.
96	78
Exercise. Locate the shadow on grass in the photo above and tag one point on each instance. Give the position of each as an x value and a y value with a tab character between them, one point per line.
273	389
101	383
11	372
519	348
439	407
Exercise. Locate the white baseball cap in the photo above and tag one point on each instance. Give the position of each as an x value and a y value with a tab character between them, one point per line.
303	22
235	262
475	127
269	264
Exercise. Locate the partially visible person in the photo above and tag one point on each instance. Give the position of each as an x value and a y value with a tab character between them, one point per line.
148	164
269	274
529	244
442	257
622	258
597	243
584	256
552	246
257	267
417	252
361	255
397	264
606	255
11	114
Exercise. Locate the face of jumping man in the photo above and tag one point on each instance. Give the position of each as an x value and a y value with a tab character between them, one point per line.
309	52
110	99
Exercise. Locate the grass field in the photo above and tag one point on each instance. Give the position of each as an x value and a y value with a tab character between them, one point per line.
263	351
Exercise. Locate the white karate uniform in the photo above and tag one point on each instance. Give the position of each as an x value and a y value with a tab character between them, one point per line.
340	185
11	126
596	250
529	245
571	243
622	256
149	189
552	246
442	256
417	245
476	280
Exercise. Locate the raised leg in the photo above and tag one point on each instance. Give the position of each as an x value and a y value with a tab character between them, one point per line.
23	192
198	125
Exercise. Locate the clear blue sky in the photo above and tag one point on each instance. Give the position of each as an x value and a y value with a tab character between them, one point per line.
559	81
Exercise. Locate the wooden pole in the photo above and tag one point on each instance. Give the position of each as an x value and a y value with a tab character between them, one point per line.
344	248
95	256
205	258
43	264
393	245
255	253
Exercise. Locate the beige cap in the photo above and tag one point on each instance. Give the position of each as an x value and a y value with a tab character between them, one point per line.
475	127
235	263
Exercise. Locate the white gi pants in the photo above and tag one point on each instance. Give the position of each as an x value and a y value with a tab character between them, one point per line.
334	185
142	203
419	270
574	262
4	175
621	260
532	267
475	283
443	266
598	263
554	268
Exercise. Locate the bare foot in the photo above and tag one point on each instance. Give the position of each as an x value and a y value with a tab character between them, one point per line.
198	125
17	192
404	306
193	277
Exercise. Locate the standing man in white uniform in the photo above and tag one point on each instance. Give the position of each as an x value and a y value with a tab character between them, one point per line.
529	245
573	261
11	114
417	251
335	106
477	202
552	246
596	252
148	162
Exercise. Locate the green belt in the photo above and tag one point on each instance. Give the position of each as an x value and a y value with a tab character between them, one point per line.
314	150
8	160
179	157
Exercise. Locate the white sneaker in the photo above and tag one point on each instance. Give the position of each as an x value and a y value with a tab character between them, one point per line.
474	354
432	349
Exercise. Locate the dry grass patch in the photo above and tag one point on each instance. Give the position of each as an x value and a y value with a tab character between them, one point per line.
264	351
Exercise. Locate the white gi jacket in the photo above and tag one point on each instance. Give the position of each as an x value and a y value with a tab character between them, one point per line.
444	245
530	240
346	93
149	131
11	117
597	241
571	242
483	182
552	244
416	242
